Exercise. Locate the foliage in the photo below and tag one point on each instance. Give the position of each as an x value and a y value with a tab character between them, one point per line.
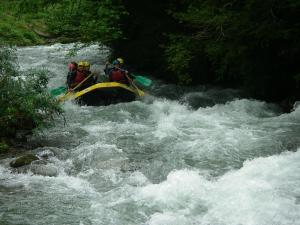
251	43
25	103
144	31
3	147
79	20
15	32
14	29
85	20
179	56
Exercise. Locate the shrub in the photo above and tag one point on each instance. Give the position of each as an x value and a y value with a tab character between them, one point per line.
25	102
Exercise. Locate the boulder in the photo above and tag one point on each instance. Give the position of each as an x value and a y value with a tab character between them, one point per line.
23	160
42	168
296	105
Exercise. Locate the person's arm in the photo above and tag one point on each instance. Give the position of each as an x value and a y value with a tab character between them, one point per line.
71	77
127	74
127	78
106	69
109	73
123	71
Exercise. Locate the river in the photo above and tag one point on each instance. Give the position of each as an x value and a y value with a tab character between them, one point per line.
182	156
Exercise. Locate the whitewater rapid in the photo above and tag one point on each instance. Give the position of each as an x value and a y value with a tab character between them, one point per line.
181	156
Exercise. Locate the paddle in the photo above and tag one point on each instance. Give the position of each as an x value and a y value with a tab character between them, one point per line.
142	80
139	92
58	91
64	97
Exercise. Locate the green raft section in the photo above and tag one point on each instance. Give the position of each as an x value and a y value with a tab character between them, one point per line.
105	93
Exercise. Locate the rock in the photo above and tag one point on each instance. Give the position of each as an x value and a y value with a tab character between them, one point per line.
296	105
44	169
45	154
38	167
23	160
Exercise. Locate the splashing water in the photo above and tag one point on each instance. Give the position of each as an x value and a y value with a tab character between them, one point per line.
205	157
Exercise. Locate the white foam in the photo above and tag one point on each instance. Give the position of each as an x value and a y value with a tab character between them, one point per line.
137	179
103	142
168	116
264	191
168	218
30	181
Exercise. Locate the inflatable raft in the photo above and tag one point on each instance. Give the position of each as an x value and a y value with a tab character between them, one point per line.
105	93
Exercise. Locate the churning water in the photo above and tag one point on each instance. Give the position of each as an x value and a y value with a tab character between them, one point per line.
182	156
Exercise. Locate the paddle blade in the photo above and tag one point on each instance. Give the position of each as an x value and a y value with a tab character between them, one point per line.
65	97
58	91
143	80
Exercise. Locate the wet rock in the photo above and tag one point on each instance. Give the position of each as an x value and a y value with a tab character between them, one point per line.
23	160
42	168
21	169
287	105
45	154
38	167
22	135
296	105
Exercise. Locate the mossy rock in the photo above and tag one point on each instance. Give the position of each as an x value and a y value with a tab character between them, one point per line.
23	160
4	148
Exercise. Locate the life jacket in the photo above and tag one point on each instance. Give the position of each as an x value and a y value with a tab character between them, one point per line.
80	76
117	75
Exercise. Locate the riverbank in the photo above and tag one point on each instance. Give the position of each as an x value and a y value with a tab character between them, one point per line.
26	104
12	147
16	31
26	28
17	151
20	33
